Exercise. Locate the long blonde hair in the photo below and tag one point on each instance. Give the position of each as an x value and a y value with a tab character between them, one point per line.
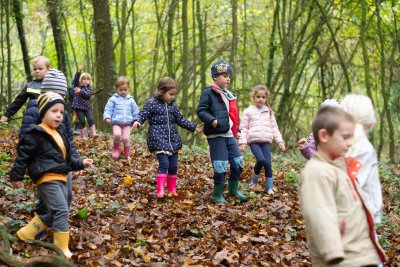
87	75
264	88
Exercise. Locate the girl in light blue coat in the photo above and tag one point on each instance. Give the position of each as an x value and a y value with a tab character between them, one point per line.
120	111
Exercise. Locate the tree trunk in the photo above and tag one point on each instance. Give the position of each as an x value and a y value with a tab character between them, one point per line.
21	35
88	61
105	65
185	58
8	42
170	33
3	62
234	47
134	57
122	35
272	46
202	44
54	8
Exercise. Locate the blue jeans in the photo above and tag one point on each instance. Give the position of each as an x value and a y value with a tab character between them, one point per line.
167	164
222	151
261	152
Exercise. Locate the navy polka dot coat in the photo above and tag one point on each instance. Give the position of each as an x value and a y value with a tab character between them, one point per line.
163	118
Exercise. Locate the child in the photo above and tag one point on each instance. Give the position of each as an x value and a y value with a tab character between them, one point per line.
55	82
81	103
46	152
339	225
120	111
308	147
362	110
258	129
219	111
74	117
41	66
162	137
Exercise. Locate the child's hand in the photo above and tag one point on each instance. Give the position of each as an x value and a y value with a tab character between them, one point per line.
77	89
200	128
18	184
76	174
137	124
302	141
243	147
87	163
214	123
108	120
4	118
282	146
238	134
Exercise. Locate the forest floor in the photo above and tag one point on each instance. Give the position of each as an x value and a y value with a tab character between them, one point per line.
116	219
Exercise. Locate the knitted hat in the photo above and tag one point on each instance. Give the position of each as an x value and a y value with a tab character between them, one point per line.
220	67
55	81
47	100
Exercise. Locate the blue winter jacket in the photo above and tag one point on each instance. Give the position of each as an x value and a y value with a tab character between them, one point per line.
31	116
163	118
121	110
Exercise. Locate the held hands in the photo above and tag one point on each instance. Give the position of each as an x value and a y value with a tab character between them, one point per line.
108	120
87	163
214	123
302	142
282	146
200	128
137	124
76	174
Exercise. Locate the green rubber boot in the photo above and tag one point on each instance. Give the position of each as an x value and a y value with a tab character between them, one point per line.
233	186
218	194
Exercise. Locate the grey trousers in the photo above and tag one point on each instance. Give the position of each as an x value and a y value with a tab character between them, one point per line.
54	195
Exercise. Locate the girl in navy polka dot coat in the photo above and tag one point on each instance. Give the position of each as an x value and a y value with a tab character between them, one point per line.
163	138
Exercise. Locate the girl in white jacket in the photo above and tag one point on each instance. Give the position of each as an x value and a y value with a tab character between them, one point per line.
361	108
258	129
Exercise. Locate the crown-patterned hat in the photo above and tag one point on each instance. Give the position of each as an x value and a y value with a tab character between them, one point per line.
220	67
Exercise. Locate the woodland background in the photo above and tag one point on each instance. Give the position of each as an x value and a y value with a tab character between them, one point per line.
305	51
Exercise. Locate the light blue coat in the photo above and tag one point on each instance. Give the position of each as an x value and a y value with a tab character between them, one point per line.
121	110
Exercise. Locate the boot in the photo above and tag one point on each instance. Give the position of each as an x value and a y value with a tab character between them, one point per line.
116	151
126	152
161	177
83	133
254	180
171	184
270	186
29	231
92	130
61	240
233	186
218	194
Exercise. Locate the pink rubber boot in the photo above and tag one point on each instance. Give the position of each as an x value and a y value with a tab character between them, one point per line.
171	184
92	130
83	133
126	152
161	177
116	151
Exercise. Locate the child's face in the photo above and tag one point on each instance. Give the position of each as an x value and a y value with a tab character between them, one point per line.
123	90
39	70
223	81
337	144
169	96
260	98
54	116
85	81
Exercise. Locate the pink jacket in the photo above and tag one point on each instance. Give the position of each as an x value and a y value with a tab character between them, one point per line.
258	127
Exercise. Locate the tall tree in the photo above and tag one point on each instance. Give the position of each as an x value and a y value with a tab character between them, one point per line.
105	61
134	56
170	37
202	44
88	59
8	44
19	16
121	23
55	8
234	41
185	57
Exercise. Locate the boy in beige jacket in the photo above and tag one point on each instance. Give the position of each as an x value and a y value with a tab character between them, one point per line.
339	225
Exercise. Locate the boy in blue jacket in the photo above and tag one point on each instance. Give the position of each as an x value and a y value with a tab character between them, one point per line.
219	111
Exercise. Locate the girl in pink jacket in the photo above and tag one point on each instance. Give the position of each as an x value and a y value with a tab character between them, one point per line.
258	129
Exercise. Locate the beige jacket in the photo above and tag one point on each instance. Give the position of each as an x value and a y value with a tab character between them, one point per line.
338	223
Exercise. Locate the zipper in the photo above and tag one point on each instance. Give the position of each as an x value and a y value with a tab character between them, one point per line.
169	129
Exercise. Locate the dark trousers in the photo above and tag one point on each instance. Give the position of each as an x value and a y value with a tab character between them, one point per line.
222	151
262	153
81	117
167	163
